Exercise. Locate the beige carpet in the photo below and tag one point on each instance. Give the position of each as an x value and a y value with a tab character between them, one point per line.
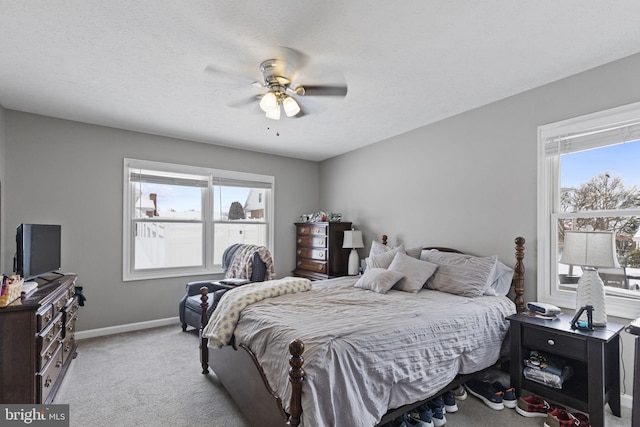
152	378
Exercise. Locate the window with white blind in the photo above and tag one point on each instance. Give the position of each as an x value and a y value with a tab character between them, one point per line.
589	180
178	219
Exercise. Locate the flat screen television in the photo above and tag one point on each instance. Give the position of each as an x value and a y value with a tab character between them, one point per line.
38	249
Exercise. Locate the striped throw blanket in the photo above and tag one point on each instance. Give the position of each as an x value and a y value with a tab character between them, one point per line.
223	322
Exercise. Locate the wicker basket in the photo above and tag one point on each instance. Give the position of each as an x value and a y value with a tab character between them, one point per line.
12	292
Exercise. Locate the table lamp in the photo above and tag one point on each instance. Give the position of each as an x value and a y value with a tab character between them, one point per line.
590	250
353	240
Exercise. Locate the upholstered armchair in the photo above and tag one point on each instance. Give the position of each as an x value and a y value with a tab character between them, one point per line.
249	262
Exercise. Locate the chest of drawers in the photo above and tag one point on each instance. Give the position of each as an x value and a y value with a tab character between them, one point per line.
37	342
319	252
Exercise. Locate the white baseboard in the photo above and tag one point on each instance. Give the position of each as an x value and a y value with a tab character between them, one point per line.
626	400
92	333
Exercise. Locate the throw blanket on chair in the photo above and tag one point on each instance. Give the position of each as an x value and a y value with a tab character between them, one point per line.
242	265
223	322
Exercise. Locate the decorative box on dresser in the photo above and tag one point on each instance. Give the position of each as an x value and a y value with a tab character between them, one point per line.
319	252
37	342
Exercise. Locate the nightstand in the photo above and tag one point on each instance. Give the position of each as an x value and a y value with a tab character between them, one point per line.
594	356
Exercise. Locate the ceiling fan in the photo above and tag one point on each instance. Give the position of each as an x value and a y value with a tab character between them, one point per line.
280	80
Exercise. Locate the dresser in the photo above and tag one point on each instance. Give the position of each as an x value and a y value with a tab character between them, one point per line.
37	342
319	252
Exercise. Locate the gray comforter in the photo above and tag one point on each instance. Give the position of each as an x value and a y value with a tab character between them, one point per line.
366	352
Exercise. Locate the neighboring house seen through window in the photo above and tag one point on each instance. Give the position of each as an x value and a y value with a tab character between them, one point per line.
178	220
589	180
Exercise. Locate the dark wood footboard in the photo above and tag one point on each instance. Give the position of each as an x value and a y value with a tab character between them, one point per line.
239	371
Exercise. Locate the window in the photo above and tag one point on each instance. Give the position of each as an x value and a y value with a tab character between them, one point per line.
178	220
589	180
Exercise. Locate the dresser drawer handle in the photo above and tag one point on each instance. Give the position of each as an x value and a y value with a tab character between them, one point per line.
299	263
317	231
321	242
48	381
299	251
299	240
50	336
320	268
49	355
47	318
302	230
58	363
70	328
59	306
551	342
321	255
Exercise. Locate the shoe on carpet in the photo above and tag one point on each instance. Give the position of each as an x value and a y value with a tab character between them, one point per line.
509	398
558	417
437	411
485	392
411	421
449	401
460	393
534	406
424	414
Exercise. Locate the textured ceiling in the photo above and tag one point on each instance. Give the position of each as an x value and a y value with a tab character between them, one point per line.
140	65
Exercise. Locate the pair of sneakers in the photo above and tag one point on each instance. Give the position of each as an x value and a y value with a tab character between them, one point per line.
535	406
558	417
495	395
432	413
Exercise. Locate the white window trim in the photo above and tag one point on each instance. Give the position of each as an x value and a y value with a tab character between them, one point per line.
547	236
128	274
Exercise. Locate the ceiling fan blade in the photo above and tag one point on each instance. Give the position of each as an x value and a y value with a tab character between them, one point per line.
325	90
231	76
243	102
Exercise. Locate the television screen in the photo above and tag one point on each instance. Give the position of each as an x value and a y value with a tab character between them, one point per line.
38	249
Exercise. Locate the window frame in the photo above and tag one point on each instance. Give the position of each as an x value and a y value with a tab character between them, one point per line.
548	209
208	238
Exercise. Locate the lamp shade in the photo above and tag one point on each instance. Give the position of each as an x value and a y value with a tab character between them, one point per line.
352	239
274	113
268	102
590	249
291	107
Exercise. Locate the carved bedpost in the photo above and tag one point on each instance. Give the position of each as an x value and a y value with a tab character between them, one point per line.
518	276
296	377
384	239
204	351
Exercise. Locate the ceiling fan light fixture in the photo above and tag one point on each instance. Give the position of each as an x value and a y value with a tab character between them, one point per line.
291	107
274	113
269	102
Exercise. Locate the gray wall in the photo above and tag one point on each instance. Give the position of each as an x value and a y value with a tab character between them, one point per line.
70	173
470	181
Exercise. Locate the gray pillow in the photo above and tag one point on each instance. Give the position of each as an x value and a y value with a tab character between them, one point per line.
461	274
415	271
379	280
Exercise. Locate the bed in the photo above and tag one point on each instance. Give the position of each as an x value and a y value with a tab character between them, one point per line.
331	353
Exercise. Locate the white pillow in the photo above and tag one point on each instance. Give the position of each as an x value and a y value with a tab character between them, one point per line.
379	280
502	279
383	260
378	248
415	271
